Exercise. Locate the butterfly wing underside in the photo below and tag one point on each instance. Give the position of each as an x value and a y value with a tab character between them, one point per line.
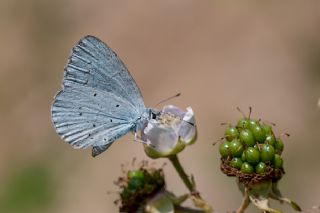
99	102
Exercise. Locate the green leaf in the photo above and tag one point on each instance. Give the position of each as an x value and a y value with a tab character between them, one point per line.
295	206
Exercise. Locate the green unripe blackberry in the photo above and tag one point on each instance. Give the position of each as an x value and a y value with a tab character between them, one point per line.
246	137
252	155
252	123
267	153
236	148
247	168
267	129
231	133
135	183
243	123
243	156
251	146
258	133
261	168
270	139
126	193
279	146
277	161
236	163
224	149
138	174
138	186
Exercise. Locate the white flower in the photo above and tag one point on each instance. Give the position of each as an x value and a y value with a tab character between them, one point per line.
170	131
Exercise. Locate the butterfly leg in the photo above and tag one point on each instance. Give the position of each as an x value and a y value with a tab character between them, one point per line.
137	138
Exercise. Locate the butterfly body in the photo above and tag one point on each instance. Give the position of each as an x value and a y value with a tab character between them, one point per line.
99	101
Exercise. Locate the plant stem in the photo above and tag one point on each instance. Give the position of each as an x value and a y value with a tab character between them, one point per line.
177	165
196	198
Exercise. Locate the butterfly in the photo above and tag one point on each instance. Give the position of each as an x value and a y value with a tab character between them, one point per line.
99	101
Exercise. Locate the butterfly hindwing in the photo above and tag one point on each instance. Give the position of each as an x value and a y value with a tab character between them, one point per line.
97	150
79	115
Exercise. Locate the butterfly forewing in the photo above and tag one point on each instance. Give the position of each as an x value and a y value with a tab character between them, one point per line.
94	64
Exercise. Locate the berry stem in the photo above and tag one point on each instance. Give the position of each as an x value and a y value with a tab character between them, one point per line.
245	202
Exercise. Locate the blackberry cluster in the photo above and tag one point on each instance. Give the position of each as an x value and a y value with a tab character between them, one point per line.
251	148
138	186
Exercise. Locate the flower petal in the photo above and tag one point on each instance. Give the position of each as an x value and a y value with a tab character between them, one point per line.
163	138
174	110
188	130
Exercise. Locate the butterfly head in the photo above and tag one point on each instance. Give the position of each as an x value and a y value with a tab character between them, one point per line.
154	114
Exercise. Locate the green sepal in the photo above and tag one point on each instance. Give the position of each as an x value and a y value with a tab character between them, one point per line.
153	153
276	194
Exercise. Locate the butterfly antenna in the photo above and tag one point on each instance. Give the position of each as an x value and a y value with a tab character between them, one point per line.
167	99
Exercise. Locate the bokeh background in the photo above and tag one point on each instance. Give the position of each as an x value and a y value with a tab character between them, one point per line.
218	54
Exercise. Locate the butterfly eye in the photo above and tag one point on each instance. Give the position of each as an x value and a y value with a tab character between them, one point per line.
154	116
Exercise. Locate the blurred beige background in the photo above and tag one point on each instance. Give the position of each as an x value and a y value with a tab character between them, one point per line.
218	54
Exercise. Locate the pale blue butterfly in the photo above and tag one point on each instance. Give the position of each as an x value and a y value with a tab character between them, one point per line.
99	101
